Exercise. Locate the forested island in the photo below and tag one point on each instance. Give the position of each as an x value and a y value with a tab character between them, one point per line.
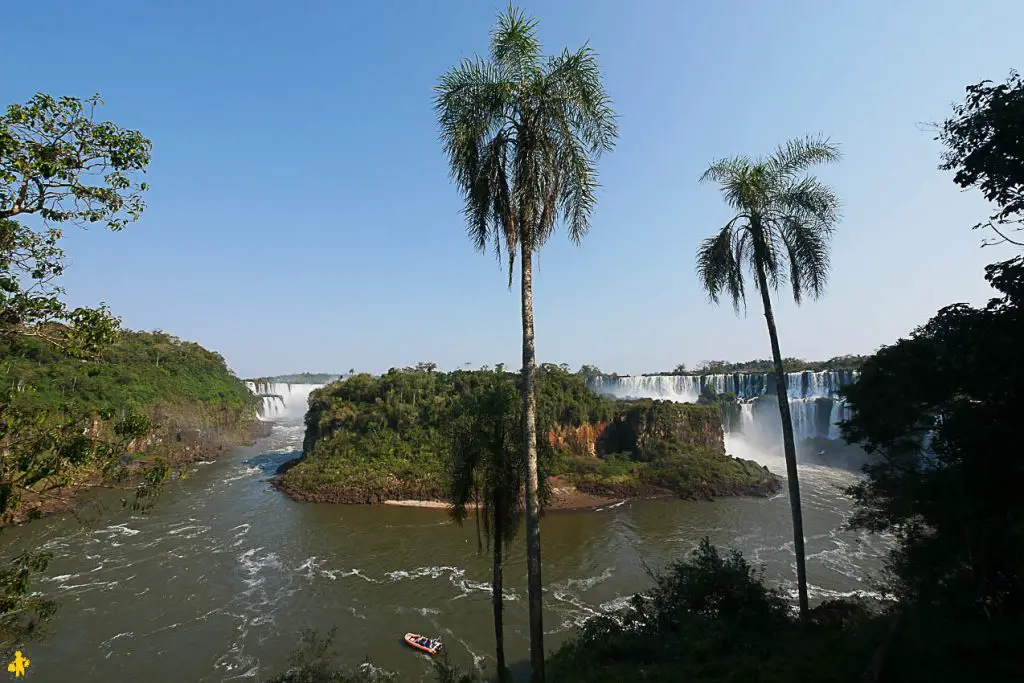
389	438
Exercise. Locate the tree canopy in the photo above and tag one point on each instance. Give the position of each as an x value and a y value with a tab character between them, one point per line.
941	408
985	147
781	225
522	133
59	165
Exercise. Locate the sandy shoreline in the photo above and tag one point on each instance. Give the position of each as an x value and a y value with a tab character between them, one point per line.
418	503
564	496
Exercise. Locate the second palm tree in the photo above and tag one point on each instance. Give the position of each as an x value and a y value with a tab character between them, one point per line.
780	232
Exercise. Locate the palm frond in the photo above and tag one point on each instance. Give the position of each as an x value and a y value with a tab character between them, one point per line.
808	257
795	156
486	466
573	85
733	178
514	44
718	269
768	252
471	102
810	199
788	219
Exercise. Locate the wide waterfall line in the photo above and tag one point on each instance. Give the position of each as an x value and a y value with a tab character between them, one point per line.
687	388
282	401
814	400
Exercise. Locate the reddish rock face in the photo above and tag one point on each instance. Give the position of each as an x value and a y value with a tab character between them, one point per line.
581	440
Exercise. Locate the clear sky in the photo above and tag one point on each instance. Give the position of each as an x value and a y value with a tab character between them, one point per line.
301	216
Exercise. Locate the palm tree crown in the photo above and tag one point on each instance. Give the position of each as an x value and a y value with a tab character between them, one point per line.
522	133
783	221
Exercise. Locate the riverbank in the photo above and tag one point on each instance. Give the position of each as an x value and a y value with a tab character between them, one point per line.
565	494
178	448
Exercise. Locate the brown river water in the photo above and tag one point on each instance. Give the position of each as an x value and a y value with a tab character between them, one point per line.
215	582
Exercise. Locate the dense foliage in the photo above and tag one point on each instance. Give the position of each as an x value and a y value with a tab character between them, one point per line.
942	409
365	432
709	618
140	369
985	147
58	166
67	422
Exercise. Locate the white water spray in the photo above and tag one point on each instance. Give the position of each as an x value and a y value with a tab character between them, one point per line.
282	401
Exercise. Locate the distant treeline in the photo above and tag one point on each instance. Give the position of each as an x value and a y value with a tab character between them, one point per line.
300	378
708	367
721	367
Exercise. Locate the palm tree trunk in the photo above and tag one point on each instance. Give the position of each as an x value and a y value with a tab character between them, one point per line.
532	481
499	631
788	444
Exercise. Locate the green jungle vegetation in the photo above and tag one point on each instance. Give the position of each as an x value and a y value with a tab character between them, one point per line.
373	438
149	371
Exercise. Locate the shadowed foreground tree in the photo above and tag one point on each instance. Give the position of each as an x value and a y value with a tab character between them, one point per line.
942	409
487	471
522	133
783	219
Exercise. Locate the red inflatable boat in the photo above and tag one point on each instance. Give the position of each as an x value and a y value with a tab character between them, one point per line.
429	645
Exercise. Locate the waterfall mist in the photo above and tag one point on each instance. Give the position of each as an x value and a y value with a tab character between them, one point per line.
756	432
282	401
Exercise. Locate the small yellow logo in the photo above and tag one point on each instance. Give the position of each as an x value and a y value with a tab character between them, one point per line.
18	664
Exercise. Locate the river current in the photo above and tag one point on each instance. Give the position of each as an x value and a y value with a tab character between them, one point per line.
217	580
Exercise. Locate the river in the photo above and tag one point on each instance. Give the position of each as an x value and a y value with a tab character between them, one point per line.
216	581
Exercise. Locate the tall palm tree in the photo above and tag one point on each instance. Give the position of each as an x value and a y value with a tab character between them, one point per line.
523	133
487	470
780	232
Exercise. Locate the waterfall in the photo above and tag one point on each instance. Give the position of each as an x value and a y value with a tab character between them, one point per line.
813	396
282	401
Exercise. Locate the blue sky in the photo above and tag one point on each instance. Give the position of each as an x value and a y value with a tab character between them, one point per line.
301	216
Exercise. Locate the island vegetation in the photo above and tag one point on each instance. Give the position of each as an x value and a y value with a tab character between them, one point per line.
374	439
